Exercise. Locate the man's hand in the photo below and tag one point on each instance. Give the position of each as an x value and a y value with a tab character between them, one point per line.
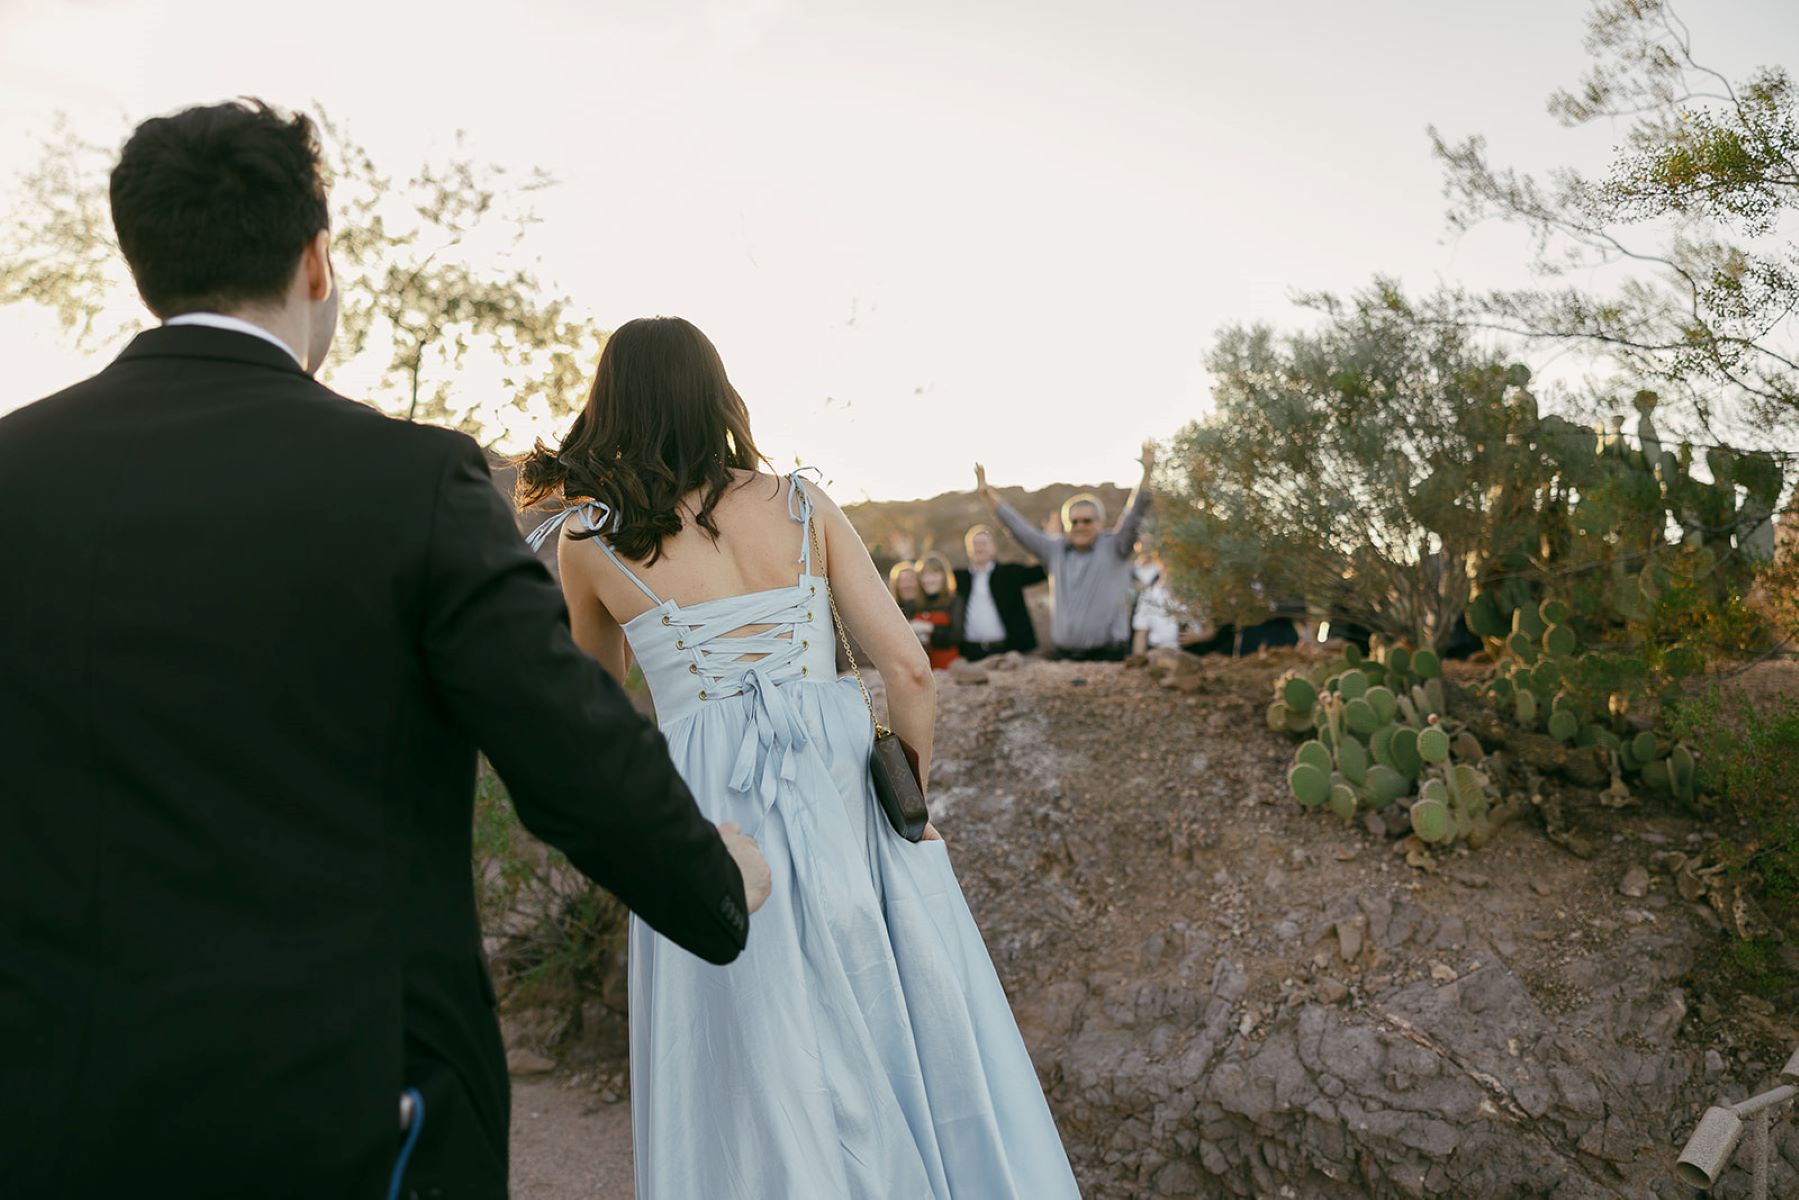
1149	457
983	489
757	881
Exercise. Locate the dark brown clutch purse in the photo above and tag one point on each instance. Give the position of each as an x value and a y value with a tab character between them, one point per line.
892	764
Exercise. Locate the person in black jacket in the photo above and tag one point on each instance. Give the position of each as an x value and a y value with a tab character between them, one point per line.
995	617
239	718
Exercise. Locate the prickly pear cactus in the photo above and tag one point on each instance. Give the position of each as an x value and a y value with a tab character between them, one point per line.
1565	613
1381	737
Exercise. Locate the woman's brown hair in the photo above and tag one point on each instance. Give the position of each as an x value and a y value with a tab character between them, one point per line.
938	563
661	421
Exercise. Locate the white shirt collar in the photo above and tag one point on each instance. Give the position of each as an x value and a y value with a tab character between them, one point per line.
236	325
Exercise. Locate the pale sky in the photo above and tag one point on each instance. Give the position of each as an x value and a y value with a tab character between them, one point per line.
921	233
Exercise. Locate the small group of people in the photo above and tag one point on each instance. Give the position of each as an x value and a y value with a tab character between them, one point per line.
981	610
969	613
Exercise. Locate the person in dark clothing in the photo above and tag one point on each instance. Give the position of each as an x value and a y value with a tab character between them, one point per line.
995	617
238	937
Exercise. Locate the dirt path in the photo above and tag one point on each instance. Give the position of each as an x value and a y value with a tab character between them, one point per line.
568	1146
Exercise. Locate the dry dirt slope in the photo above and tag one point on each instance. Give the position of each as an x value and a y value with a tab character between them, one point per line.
1227	996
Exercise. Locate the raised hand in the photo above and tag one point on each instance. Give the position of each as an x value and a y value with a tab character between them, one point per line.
1149	457
983	488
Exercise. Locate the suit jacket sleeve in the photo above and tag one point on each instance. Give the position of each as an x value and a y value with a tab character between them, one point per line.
588	774
1040	544
1026	574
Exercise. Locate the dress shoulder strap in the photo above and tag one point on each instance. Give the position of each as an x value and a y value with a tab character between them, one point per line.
596	517
799	507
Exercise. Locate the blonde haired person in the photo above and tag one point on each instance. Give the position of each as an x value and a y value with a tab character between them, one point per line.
941	608
995	616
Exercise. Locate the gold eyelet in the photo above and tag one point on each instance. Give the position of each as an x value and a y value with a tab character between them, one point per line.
814	590
702	693
693	668
805	670
808	616
680	645
665	618
805	645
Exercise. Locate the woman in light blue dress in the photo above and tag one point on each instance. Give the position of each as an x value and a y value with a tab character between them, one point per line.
861	1048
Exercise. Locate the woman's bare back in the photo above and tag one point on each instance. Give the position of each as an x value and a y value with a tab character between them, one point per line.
757	549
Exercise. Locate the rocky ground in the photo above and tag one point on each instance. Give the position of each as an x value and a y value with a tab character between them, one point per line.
1229	996
567	1143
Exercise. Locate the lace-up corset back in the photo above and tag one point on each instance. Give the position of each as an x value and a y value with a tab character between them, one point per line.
753	644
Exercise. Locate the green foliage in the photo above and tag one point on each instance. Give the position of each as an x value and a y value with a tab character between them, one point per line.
560	936
428	273
1708	161
57	249
1610	615
1351	467
1748	770
1747	764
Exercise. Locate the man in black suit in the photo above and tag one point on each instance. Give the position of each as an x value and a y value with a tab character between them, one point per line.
995	617
240	706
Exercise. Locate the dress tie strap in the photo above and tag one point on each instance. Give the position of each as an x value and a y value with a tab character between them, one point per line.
799	508
775	730
596	517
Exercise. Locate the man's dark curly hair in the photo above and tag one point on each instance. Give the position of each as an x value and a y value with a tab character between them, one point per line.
214	205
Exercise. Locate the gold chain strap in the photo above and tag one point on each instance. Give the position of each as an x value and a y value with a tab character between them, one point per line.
837	620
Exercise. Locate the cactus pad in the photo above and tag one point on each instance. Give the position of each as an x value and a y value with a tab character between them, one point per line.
1433	745
1310	786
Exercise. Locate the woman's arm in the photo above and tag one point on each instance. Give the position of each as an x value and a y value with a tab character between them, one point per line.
594	628
876	624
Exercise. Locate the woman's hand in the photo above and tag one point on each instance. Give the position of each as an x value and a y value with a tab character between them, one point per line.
930	833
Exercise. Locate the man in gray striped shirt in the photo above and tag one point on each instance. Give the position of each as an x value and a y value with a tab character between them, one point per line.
1089	568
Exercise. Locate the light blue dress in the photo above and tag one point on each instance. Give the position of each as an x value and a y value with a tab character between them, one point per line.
861	1048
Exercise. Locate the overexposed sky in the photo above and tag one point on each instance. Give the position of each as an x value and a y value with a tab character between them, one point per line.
919	233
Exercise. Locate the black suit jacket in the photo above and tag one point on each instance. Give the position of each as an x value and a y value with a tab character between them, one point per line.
251	637
1008	584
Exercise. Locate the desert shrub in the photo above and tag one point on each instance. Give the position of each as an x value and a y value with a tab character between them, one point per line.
1749	773
1749	770
555	939
1361	468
